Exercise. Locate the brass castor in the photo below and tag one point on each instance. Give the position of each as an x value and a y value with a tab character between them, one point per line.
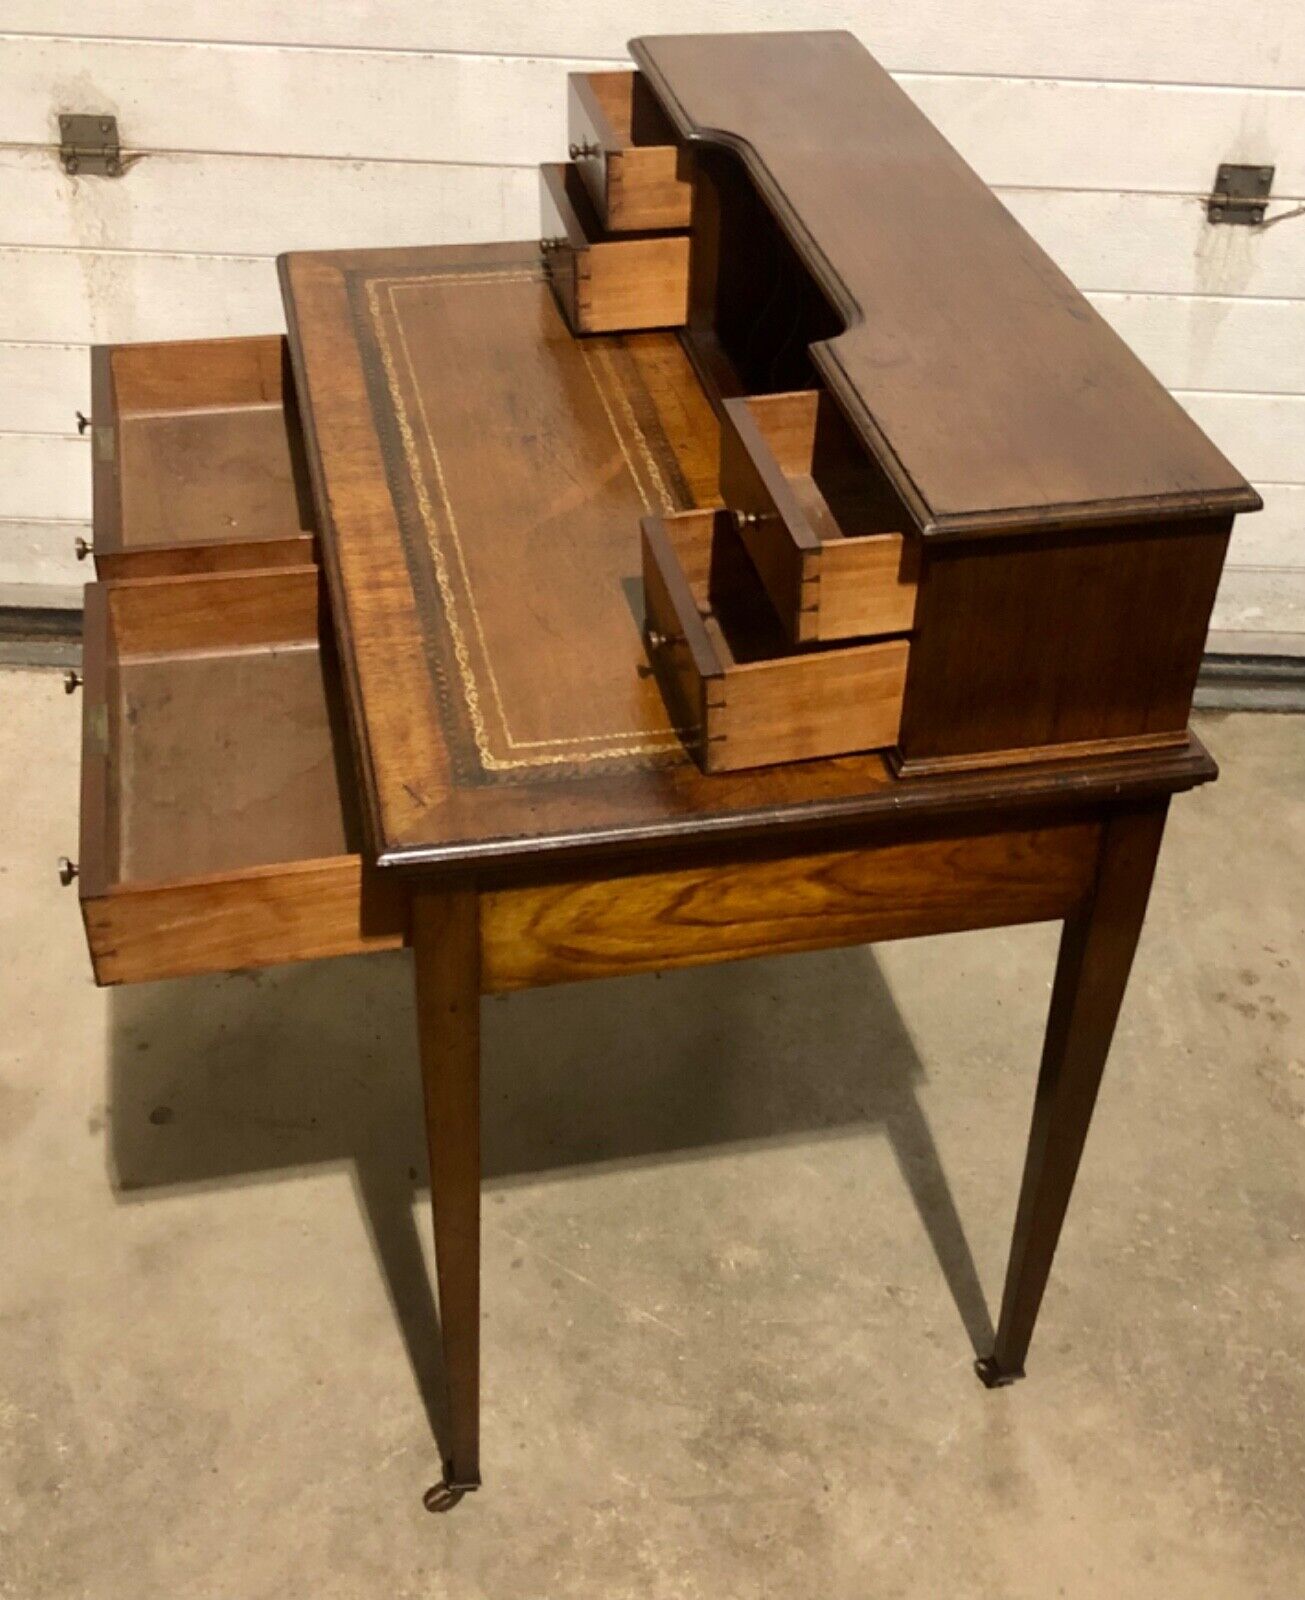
994	1377
443	1496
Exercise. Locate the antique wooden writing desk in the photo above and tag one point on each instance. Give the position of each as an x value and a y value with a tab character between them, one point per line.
906	643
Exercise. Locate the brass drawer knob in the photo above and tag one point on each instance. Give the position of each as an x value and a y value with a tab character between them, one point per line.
82	547
67	871
72	681
578	152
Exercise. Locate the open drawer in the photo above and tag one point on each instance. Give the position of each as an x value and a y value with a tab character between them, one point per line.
626	153
197	459
608	283
219	824
741	695
819	519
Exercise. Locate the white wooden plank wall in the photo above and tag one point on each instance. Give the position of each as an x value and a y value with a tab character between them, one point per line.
265	125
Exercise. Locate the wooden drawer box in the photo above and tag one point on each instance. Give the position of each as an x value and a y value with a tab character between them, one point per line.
607	283
739	692
818	521
197	459
218	825
626	153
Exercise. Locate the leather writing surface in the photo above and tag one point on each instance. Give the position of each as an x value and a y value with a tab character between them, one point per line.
520	495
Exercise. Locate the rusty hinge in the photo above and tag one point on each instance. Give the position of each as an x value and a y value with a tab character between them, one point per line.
88	145
1240	195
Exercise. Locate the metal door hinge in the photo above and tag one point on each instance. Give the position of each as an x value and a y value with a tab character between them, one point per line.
88	145
1240	195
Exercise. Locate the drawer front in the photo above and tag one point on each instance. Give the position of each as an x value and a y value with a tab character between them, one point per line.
803	511
740	696
784	551
218	826
603	283
303	911
681	653
593	147
635	185
198	463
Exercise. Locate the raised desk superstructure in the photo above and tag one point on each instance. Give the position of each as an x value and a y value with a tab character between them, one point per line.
781	556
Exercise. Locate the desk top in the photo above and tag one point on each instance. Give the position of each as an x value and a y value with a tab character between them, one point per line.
993	394
480	475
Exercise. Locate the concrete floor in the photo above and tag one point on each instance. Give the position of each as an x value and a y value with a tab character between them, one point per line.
736	1227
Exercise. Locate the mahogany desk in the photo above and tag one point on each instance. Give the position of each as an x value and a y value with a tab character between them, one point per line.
990	540
481	474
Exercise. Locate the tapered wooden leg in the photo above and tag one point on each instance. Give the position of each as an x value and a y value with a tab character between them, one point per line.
1096	953
446	946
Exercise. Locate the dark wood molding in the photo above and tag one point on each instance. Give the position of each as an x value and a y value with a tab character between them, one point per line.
993	395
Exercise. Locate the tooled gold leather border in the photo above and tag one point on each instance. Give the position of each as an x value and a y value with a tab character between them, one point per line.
444	540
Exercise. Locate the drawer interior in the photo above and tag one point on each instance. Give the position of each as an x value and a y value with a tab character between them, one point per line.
819	517
207	459
834	490
625	111
627	152
223	757
220	820
739	689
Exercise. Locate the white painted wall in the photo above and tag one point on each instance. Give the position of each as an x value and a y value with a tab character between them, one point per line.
267	125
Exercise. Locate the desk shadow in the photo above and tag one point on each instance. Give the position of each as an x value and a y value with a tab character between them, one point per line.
214	1081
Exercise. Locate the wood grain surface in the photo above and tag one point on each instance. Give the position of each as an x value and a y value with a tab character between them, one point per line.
970	365
300	911
1021	645
574	609
1096	956
626	152
608	282
198	459
446	965
219	824
822	530
612	925
728	669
